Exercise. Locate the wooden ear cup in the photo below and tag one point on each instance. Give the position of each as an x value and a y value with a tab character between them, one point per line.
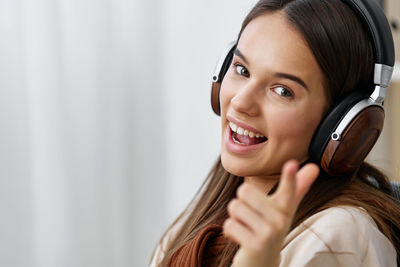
215	97
346	155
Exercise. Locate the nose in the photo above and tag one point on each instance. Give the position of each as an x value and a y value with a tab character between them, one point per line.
246	100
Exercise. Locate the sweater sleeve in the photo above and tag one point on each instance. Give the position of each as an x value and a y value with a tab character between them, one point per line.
340	236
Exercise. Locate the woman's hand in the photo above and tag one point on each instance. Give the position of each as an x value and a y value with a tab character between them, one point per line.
259	223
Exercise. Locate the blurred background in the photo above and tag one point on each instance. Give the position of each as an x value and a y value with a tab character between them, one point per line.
106	129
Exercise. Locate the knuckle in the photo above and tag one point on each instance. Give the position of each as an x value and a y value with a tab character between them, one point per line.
280	223
267	232
227	225
232	206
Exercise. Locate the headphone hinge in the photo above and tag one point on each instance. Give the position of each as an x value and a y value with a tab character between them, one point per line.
378	95
383	74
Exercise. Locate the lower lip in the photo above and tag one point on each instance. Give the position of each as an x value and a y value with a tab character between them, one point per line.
237	148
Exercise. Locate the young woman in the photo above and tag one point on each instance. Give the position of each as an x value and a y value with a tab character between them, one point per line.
264	203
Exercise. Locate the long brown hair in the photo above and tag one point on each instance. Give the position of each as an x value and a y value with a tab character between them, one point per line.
344	53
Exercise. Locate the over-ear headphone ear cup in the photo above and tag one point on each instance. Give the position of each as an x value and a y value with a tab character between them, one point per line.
347	154
215	98
328	124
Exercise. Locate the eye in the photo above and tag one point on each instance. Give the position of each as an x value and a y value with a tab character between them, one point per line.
283	91
239	69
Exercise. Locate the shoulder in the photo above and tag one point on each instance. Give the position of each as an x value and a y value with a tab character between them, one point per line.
159	252
339	236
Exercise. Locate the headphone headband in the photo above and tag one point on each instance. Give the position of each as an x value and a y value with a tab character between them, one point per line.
372	17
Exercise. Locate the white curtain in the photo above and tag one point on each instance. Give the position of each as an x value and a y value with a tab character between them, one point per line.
80	111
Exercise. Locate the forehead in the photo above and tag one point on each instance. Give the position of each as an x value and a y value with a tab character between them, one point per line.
270	43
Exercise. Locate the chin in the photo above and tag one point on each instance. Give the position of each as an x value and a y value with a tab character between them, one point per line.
241	167
230	166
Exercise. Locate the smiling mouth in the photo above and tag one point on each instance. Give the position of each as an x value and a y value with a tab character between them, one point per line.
245	137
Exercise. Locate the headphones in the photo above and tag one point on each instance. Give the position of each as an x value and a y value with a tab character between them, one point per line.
349	131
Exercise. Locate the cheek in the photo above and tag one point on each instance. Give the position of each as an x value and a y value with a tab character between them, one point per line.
290	137
292	126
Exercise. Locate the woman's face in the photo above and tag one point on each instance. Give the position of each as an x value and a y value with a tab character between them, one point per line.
274	88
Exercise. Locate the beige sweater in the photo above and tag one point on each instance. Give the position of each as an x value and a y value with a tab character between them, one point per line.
339	236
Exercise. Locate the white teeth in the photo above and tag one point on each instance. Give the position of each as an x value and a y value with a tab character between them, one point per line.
242	131
233	126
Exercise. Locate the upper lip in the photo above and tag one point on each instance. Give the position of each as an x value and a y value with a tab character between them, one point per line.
243	125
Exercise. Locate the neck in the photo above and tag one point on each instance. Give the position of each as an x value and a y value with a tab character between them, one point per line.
263	183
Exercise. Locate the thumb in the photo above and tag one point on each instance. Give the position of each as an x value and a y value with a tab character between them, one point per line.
304	179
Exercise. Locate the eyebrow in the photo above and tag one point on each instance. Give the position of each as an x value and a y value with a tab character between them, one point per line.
239	54
278	74
293	78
